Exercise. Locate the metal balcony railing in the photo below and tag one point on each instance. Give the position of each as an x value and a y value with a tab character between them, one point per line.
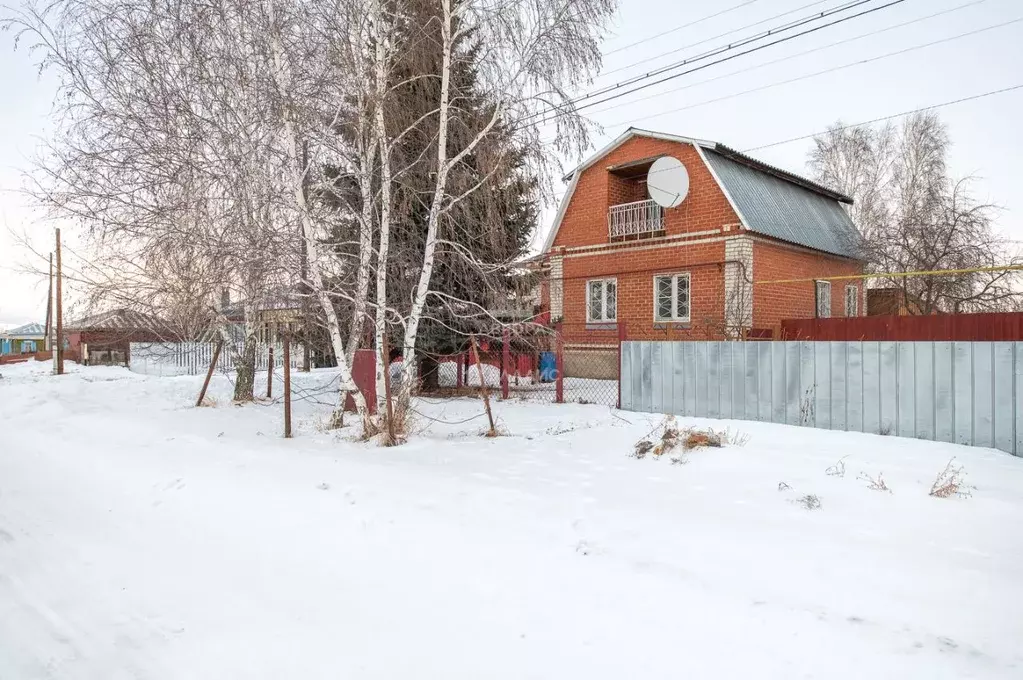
633	219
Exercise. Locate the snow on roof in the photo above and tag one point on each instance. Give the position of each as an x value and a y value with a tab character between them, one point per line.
26	330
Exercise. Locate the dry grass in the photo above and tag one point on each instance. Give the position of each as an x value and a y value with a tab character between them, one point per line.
673	438
874	483
209	402
949	482
838	469
698	439
809	501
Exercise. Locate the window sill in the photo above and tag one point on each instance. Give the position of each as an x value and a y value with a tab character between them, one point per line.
602	326
662	325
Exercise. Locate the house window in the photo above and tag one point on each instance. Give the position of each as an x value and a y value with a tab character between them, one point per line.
671	297
852	301
823	296
602	301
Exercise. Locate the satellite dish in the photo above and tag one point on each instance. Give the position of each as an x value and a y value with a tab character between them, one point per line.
667	182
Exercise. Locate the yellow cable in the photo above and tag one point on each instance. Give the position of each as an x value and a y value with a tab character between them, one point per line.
849	277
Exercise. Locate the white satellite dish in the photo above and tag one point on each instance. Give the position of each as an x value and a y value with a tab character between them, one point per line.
667	182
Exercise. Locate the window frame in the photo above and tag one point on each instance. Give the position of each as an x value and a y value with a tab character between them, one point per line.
675	318
817	298
855	298
603	319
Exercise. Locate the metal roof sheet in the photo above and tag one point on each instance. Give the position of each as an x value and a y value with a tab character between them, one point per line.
784	209
26	330
115	320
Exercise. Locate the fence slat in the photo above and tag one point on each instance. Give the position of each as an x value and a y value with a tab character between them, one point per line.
944	396
193	358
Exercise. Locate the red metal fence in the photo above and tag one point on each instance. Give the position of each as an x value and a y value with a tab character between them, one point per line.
939	327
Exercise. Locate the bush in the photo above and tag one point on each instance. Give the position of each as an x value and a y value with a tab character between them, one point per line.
949	482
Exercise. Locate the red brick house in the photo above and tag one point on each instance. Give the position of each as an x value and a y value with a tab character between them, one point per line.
692	272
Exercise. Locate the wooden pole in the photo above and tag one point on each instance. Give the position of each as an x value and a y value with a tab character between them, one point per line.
49	310
505	361
622	334
386	354
209	374
270	372
60	314
559	364
483	387
287	386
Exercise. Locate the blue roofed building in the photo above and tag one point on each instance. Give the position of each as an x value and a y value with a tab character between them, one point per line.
27	339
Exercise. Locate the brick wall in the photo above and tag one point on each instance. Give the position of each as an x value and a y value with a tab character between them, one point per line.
621	190
774	302
585	220
634	269
693	242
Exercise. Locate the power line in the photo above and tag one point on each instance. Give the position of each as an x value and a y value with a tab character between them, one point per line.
795	56
707	40
714	63
820	73
884	118
687	25
817	16
558	197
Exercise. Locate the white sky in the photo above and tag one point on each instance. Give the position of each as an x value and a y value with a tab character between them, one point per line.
985	134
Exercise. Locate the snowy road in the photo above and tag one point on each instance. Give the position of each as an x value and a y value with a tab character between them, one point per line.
141	538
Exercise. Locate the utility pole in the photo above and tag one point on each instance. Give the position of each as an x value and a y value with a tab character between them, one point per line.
60	313
49	310
304	273
287	385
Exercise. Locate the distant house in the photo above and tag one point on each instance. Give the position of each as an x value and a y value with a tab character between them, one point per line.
275	315
27	339
106	337
892	302
693	271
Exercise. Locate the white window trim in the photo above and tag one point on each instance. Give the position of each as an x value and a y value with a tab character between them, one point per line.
603	318
856	300
675	276
816	299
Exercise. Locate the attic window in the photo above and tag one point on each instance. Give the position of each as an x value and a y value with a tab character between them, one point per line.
636	170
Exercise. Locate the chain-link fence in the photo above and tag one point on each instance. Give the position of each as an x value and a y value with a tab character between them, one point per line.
559	364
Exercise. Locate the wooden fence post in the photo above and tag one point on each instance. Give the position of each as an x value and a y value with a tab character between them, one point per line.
559	364
287	386
270	372
209	373
621	339
505	361
483	386
386	354
60	311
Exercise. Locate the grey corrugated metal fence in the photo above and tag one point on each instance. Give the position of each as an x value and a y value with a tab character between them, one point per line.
193	358
961	392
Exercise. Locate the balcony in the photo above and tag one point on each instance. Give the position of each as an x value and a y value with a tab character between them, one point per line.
634	220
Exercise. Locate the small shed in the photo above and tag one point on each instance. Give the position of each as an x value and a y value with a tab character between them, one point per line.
106	338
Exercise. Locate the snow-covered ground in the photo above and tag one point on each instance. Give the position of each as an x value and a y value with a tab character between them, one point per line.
143	538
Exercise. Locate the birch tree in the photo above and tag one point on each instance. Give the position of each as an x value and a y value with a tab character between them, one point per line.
914	216
148	150
533	54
